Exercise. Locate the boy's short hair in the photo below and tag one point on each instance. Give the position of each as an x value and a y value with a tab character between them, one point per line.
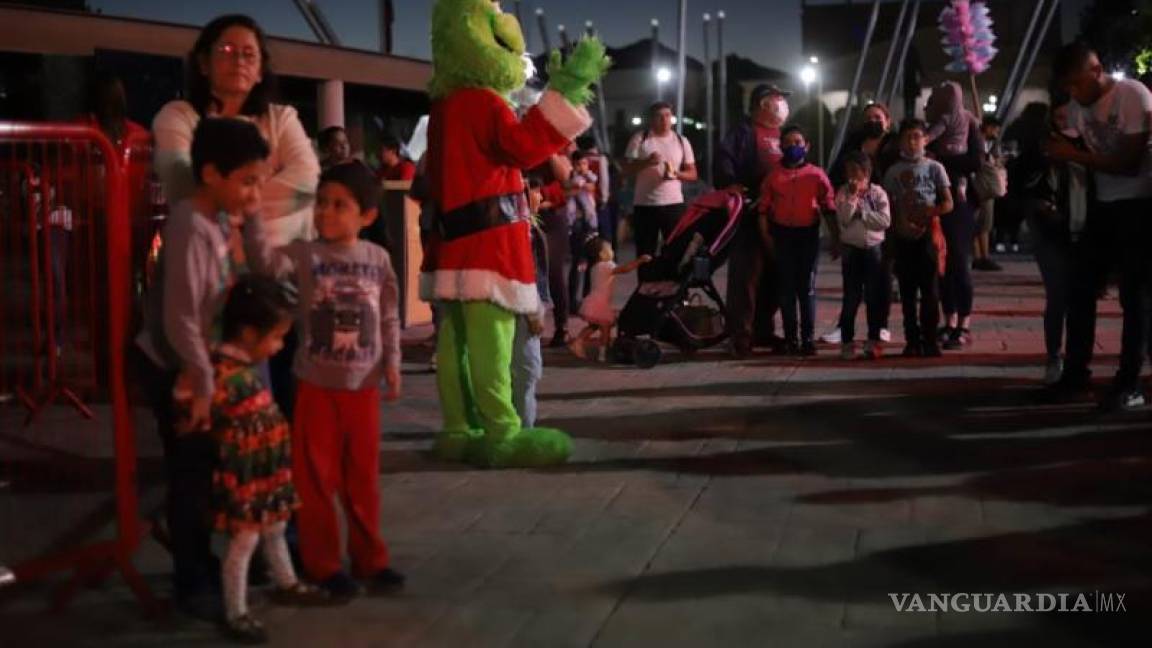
534	181
658	106
592	246
991	121
257	302
329	134
913	123
1069	59
859	158
390	143
579	155
792	128
358	179
226	144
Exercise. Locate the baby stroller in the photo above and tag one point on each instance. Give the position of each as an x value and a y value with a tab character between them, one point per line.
676	301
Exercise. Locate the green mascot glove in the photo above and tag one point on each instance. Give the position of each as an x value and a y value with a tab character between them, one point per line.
573	78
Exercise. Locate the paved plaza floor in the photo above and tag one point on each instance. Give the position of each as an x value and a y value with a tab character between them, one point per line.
713	502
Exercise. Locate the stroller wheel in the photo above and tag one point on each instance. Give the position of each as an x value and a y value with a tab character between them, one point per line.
622	350
647	354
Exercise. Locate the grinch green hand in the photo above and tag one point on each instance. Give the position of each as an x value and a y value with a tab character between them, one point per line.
584	67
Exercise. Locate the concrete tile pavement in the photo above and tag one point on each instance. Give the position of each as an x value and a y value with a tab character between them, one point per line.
711	502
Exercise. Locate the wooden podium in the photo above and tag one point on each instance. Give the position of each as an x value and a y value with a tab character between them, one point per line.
401	217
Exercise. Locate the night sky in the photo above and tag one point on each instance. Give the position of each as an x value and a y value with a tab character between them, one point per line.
765	30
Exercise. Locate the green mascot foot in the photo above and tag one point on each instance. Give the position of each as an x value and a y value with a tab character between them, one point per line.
459	446
527	448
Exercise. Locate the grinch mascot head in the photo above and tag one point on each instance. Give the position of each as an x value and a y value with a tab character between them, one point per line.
479	265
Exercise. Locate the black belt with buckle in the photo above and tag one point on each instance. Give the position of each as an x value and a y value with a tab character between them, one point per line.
481	215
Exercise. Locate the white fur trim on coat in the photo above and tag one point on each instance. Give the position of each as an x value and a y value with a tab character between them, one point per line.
567	119
480	285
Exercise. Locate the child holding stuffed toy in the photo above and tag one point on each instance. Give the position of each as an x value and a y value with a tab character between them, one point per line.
597	307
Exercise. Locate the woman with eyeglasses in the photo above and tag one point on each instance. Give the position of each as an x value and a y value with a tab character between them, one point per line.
229	74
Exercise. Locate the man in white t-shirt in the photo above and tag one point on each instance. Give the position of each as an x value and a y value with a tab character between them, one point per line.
1115	118
660	160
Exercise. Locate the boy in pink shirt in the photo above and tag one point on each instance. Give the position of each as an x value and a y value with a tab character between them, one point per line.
792	198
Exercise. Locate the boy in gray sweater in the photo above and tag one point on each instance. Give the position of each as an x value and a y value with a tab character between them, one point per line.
202	257
349	343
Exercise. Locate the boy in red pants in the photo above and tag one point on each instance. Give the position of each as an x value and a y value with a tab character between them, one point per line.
349	326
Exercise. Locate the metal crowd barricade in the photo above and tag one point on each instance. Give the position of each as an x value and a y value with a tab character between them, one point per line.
67	198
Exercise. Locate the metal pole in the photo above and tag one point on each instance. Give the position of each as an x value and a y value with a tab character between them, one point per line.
542	24
302	6
710	138
516	9
322	20
893	44
909	34
1027	70
565	44
842	129
656	58
820	114
1020	56
723	65
681	65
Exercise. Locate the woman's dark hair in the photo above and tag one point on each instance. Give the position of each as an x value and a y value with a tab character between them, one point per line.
592	246
257	302
200	87
882	107
226	143
390	143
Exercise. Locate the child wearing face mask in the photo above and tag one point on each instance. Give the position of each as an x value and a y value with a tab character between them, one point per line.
793	197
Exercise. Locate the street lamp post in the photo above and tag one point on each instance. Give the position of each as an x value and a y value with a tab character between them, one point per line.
723	85
708	98
681	64
656	56
819	107
543	25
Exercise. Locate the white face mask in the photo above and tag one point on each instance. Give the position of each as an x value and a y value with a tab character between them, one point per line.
1070	133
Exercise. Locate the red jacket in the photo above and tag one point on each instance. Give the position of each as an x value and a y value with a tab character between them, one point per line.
477	149
795	197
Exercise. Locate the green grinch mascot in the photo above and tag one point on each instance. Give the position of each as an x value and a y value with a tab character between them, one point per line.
479	266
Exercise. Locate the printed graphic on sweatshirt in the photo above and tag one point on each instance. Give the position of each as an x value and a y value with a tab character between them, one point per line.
344	321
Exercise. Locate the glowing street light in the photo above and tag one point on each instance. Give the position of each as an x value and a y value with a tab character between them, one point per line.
663	75
1119	75
808	75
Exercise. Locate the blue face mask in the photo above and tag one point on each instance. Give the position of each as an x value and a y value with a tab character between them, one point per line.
794	155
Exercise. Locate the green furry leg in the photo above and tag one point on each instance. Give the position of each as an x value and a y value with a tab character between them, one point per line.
474	378
528	448
462	438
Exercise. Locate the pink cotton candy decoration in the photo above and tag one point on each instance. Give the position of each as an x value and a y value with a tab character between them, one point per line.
968	37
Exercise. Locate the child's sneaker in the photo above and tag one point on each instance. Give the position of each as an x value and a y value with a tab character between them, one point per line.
807	349
831	337
1053	371
245	630
386	581
873	350
341	587
931	351
912	350
847	351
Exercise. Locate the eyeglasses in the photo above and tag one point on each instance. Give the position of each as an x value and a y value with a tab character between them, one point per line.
246	55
